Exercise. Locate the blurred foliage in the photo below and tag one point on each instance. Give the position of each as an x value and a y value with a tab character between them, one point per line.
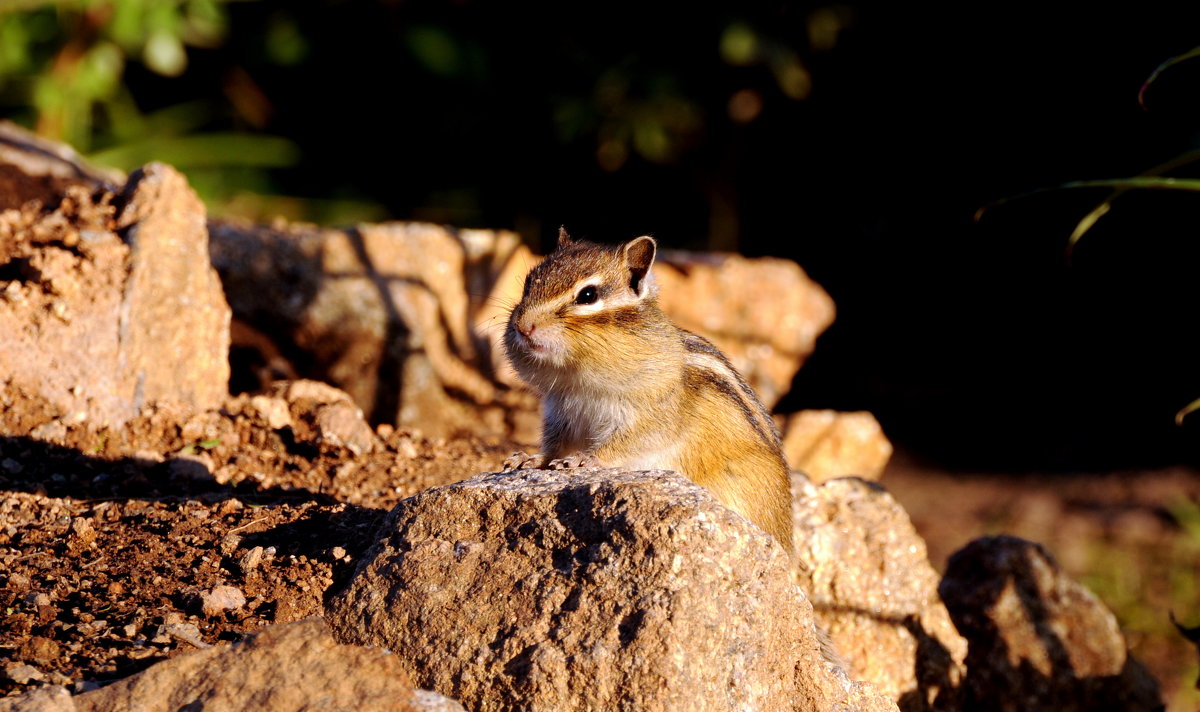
233	93
1147	586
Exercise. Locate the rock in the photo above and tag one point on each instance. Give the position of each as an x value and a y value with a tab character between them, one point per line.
273	410
589	590
1038	640
295	666
23	673
105	313
175	321
185	632
825	444
44	169
379	310
867	574
40	650
221	599
250	560
52	698
764	313
326	416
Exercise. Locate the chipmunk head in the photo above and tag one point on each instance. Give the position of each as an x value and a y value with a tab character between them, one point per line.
581	299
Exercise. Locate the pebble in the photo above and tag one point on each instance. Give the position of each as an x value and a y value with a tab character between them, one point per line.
23	674
250	560
221	599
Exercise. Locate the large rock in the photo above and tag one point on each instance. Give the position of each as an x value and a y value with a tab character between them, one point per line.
381	311
590	590
292	666
764	313
873	589
825	444
1038	640
106	310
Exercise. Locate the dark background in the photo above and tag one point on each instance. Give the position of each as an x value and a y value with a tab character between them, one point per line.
977	344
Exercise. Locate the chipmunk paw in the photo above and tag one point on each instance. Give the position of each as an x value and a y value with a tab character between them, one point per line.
524	461
576	460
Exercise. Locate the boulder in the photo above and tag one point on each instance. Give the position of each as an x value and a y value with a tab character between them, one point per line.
873	589
291	666
590	590
107	304
381	311
825	444
1038	640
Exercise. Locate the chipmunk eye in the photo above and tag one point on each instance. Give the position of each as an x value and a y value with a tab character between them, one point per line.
587	295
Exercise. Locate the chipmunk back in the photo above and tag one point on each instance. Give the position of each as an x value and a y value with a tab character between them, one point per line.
623	386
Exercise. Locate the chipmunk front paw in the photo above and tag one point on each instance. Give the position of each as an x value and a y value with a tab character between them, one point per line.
576	460
524	461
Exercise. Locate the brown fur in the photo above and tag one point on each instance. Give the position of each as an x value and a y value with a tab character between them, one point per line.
623	386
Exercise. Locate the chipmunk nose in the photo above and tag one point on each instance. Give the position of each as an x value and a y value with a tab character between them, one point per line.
526	326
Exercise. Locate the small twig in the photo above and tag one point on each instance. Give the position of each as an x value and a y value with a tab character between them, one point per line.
249	524
90	564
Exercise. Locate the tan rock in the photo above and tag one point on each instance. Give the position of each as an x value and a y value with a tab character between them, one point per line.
325	416
873	589
764	313
825	444
174	318
1039	641
589	590
294	666
381	311
98	325
51	698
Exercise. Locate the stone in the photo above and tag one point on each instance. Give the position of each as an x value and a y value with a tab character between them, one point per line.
379	310
175	320
250	560
283	668
23	673
825	444
1038	640
105	312
220	599
589	590
868	576
764	313
51	698
326	416
273	410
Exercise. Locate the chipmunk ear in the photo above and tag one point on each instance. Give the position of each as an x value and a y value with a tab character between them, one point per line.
639	256
563	238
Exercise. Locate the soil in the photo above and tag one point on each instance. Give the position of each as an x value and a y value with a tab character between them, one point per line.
111	544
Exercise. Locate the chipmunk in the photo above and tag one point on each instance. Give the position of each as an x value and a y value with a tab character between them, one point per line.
623	386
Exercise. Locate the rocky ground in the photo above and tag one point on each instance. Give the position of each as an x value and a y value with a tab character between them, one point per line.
111	564
114	563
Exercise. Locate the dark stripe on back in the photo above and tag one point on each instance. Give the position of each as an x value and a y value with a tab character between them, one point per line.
761	419
695	377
